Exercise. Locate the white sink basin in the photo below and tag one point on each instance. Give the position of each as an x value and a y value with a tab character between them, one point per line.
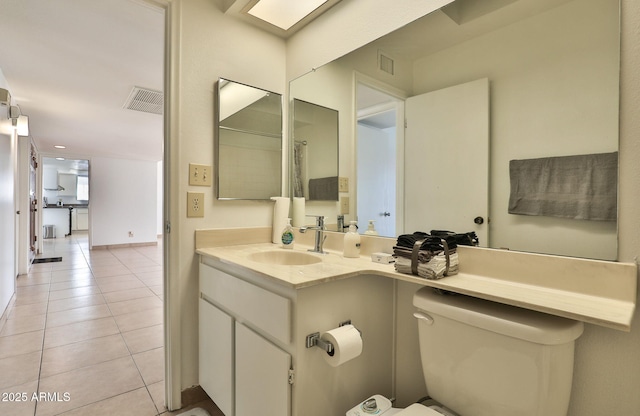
286	258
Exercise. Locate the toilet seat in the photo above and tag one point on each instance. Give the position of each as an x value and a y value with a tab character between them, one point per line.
418	410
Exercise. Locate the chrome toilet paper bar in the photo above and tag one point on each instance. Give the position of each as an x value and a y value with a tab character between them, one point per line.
314	340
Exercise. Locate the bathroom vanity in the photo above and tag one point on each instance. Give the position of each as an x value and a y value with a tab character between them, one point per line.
257	306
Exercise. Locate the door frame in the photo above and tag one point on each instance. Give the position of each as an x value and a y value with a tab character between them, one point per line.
399	97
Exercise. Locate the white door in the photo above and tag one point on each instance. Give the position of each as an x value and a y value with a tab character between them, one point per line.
447	160
262	376
377	178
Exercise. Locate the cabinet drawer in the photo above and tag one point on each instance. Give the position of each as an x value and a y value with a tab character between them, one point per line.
266	310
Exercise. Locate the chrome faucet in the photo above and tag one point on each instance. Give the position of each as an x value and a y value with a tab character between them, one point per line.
320	237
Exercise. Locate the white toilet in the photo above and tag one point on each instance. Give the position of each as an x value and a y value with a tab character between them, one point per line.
482	358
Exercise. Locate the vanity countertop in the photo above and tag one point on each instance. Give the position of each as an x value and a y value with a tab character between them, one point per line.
593	291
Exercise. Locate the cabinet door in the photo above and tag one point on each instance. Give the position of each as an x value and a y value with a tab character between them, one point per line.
262	376
216	355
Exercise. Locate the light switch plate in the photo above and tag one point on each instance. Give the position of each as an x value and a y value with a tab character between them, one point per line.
195	204
344	205
199	175
343	184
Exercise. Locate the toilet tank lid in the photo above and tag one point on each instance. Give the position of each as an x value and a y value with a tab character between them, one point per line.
525	324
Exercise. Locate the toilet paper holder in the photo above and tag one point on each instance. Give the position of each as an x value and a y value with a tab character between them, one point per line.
314	340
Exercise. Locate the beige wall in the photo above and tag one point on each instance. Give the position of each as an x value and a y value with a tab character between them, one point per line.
206	45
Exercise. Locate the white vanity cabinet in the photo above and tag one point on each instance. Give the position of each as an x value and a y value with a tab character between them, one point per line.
240	369
253	330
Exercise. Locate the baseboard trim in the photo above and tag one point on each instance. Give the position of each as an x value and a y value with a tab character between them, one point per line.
126	245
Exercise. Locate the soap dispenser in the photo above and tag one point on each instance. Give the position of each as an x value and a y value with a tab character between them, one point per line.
351	247
372	229
287	235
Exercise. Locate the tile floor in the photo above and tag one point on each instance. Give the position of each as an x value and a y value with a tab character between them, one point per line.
84	336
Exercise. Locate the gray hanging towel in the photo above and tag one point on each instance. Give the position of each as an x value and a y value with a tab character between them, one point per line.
323	189
580	187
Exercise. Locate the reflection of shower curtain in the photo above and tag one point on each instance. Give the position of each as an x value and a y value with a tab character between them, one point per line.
299	162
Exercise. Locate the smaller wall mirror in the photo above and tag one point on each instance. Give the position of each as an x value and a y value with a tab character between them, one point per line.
315	152
248	142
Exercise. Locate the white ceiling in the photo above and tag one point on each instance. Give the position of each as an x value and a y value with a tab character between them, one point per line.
71	65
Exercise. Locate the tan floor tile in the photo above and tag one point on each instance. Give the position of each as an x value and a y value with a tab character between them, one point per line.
78	291
134	305
31	290
19	400
82	354
28	299
73	274
33	279
89	385
151	365
156	390
70	284
106	271
144	339
19	369
76	315
121	295
158	290
77	302
79	331
117	279
118	286
31	309
133	403
137	320
21	344
20	325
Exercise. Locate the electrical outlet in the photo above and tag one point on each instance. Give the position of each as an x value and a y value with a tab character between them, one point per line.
199	175
344	205
130	233
343	184
195	204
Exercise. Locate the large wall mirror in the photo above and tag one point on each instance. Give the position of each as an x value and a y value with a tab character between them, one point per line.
248	142
536	79
315	152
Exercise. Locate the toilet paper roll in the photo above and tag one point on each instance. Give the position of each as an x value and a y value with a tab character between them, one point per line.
347	344
298	211
280	215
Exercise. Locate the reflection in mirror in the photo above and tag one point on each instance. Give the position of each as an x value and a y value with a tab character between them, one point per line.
315	152
248	142
552	69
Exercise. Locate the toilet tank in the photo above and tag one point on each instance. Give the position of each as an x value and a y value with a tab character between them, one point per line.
482	358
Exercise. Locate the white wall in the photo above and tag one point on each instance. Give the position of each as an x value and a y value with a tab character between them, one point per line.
7	206
208	45
123	199
7	213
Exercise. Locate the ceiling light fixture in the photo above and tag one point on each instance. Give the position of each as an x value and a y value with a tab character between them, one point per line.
284	13
58	146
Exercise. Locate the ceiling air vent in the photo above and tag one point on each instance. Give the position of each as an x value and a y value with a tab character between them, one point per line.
148	101
385	63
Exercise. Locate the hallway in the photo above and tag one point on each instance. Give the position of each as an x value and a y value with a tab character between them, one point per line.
85	335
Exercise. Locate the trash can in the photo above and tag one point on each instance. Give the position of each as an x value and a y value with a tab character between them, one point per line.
49	231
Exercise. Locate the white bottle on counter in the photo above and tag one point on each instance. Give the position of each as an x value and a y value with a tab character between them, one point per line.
288	235
351	242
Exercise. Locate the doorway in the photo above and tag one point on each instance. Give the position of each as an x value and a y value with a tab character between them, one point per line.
379	154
